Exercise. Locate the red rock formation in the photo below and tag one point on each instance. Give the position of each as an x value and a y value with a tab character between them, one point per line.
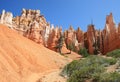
53	38
91	38
35	33
21	59
34	26
80	35
70	36
118	28
110	35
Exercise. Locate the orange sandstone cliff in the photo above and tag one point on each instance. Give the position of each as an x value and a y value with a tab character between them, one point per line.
21	58
33	25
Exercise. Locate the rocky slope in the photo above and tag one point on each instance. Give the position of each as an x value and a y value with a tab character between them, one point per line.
33	25
22	60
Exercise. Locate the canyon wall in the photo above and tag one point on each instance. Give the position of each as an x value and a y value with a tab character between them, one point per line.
33	25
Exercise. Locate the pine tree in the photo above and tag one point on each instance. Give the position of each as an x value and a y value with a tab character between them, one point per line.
60	43
71	47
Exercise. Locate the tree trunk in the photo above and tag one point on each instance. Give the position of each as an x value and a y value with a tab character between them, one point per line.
60	50
70	51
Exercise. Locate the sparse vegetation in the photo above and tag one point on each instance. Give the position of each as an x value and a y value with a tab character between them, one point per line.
109	77
60	43
114	53
86	73
83	52
89	68
71	47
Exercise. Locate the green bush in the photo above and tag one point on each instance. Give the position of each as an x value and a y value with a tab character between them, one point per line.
71	47
110	77
101	60
83	52
68	69
111	61
86	73
89	68
114	53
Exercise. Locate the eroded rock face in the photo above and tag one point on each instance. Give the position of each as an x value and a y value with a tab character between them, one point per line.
53	38
70	35
80	35
110	35
6	18
46	34
90	38
105	40
34	26
35	33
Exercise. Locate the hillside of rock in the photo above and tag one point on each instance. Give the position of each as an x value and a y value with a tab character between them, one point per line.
33	25
21	58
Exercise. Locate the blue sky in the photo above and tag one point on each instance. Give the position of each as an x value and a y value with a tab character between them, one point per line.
68	12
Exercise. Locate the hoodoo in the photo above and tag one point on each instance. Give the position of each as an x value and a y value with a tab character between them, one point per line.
33	25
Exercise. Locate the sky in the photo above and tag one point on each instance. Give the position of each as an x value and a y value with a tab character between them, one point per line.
78	13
